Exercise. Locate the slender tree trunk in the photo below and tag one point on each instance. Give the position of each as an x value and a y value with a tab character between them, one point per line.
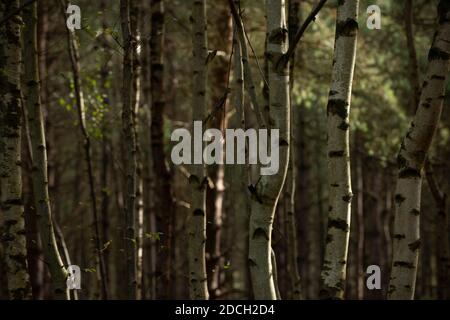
290	187
135	22
129	142
150	249
267	190
239	182
197	221
13	240
39	157
105	148
75	64
411	161
163	185
338	109
215	196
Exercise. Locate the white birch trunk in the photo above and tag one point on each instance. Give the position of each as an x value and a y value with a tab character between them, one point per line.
411	160
340	195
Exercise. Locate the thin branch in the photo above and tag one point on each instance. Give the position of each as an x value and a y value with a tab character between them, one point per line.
256	57
248	78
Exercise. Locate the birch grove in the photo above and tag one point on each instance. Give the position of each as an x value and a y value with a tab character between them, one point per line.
224	150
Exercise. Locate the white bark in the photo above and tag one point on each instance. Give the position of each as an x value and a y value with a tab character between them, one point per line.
267	191
340	194
411	160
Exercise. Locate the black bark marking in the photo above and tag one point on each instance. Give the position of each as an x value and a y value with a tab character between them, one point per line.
329	238
413	246
283	143
437	54
399	198
414	212
347	198
338	107
409	173
399	236
332	92
278	36
404	264
336	154
347	28
343	126
260	233
198	213
338	224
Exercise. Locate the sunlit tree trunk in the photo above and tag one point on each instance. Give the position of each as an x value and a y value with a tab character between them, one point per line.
340	195
197	220
13	240
411	160
39	157
267	191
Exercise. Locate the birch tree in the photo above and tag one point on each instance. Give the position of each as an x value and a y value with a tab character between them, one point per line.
197	221
340	192
39	157
13	239
266	192
411	160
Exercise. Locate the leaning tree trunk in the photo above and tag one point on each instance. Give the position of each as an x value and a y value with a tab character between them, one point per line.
13	240
39	157
129	143
267	191
340	195
411	160
197	221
